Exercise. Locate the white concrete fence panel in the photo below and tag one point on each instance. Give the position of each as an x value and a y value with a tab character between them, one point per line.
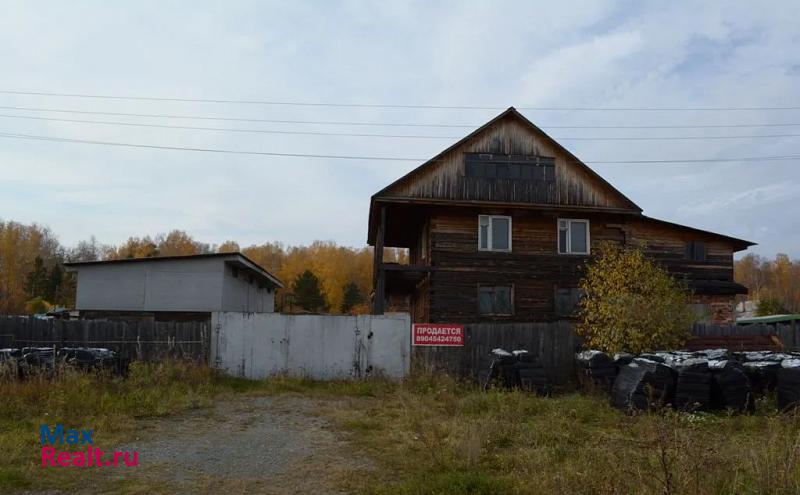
324	347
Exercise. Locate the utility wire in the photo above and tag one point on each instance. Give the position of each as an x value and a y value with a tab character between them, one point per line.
407	136
359	157
228	129
375	105
386	124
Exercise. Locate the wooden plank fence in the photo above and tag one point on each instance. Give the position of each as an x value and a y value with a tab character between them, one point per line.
142	340
787	333
554	343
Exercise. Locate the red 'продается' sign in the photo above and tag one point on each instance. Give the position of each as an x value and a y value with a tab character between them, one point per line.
437	334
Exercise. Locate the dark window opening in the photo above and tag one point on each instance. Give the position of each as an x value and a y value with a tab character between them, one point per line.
513	167
496	300
696	251
567	302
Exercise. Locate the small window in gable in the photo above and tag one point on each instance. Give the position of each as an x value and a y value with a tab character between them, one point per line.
573	236
494	233
509	167
696	251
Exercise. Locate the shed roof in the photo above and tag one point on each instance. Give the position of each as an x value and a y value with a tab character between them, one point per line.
738	244
236	259
769	319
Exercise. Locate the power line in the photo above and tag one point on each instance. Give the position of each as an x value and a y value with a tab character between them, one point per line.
360	157
376	105
234	119
407	136
205	150
228	129
385	124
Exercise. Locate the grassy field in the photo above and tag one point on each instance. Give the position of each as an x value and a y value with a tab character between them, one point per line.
434	436
115	409
108	405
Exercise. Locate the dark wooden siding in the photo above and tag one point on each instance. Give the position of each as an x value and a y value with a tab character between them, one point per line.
667	246
554	343
533	268
538	274
446	178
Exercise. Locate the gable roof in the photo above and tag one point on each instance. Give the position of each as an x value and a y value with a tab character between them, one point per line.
237	259
511	112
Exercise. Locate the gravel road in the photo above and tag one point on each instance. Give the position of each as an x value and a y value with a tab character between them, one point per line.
273	445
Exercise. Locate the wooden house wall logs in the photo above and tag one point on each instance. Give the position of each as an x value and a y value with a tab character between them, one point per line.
510	168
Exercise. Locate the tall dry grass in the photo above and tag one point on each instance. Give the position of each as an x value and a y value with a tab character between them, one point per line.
435	435
439	436
114	406
100	401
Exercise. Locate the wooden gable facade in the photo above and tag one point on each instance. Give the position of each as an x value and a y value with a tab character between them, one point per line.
500	225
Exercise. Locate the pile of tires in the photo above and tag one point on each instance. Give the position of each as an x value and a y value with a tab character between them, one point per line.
730	387
693	385
34	360
597	369
712	379
531	374
788	384
643	384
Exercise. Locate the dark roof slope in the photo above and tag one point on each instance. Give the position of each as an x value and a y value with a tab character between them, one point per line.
738	244
238	258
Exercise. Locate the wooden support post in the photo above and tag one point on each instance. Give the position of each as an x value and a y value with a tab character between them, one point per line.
378	272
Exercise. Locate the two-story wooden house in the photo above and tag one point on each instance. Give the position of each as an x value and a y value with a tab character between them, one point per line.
500	225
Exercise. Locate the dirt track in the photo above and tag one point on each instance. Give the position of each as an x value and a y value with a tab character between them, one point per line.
245	445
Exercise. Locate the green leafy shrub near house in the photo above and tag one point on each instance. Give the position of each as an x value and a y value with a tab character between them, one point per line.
631	304
770	306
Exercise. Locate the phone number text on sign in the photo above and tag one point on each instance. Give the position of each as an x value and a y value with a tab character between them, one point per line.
437	334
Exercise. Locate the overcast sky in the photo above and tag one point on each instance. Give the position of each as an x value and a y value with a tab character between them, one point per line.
494	54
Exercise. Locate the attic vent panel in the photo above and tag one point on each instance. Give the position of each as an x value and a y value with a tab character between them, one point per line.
514	167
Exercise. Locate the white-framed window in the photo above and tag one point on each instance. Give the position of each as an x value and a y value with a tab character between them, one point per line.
496	300
494	233
573	236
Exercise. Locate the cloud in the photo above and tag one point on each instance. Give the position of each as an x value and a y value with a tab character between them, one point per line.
591	53
566	69
760	196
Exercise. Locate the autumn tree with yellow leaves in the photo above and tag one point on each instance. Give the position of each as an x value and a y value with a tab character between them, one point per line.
772	282
26	249
338	269
630	304
31	257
